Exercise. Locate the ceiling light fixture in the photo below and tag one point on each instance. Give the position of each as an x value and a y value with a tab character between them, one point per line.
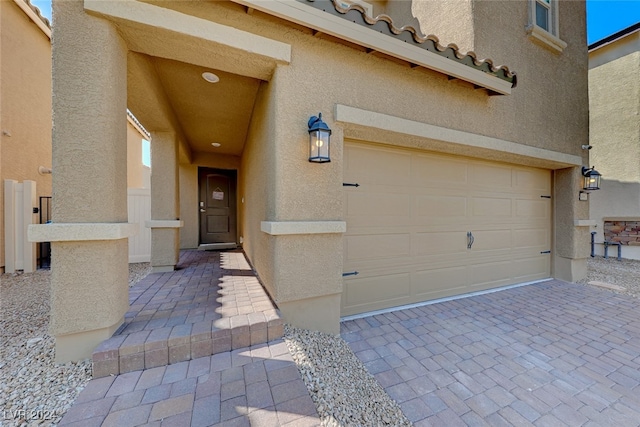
210	77
216	144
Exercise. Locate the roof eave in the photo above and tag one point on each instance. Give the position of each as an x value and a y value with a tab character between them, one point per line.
406	43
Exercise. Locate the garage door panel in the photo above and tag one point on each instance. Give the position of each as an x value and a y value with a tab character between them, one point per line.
533	208
528	269
440	282
439	169
437	243
374	246
490	274
409	242
532	238
441	206
491	176
388	289
376	205
491	207
367	165
532	179
491	240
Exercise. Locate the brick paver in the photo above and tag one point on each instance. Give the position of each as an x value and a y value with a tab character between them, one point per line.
551	353
208	391
211	304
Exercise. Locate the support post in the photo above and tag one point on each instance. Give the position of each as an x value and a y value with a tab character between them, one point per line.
89	230
165	202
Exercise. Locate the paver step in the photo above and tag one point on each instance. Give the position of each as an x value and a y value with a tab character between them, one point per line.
172	344
211	303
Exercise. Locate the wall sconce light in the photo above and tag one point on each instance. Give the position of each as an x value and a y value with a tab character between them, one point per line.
591	178
319	139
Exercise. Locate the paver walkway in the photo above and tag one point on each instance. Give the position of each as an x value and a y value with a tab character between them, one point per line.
193	351
548	354
211	303
257	386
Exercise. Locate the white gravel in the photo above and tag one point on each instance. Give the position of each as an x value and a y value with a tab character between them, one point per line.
33	389
625	273
36	391
344	392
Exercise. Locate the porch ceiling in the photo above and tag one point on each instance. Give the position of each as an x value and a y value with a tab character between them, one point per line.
203	112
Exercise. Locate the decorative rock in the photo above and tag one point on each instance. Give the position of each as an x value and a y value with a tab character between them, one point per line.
342	389
33	389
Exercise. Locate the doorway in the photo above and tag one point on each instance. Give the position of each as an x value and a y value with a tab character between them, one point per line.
217	207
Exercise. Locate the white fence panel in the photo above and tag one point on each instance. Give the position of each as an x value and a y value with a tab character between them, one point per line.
139	205
19	201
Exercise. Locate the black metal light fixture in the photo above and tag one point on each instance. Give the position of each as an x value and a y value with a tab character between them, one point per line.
319	139
591	178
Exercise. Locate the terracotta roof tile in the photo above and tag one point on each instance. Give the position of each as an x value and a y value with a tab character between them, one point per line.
384	23
38	13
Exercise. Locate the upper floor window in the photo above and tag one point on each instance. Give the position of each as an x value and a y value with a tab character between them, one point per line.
543	23
543	14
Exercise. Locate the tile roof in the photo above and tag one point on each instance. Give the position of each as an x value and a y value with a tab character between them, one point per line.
38	13
384	24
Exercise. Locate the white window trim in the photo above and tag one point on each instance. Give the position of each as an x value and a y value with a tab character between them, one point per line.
548	38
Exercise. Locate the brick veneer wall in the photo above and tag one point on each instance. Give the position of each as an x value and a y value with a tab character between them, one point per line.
625	232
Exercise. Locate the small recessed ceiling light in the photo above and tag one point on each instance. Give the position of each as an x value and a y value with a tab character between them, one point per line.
210	77
216	144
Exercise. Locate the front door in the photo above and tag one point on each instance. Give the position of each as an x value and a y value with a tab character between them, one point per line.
217	205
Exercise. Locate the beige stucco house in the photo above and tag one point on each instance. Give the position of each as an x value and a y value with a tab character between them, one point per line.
467	171
614	133
25	101
25	109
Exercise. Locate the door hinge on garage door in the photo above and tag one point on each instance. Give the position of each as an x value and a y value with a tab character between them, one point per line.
546	197
346	184
545	252
351	273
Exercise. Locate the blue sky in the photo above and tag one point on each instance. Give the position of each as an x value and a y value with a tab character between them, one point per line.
604	17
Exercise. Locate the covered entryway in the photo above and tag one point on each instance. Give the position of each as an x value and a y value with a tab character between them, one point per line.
422	226
217	189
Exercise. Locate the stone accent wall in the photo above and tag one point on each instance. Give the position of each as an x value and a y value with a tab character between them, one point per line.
625	232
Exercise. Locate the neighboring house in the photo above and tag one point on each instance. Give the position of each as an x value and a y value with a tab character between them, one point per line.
25	101
25	114
614	133
465	180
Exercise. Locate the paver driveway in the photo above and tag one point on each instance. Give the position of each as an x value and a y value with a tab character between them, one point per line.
548	354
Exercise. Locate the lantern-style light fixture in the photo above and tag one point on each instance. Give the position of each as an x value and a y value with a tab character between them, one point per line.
591	178
319	138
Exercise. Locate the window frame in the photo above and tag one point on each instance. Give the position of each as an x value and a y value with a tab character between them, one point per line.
548	37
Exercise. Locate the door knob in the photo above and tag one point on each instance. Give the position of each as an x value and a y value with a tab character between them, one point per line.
202	210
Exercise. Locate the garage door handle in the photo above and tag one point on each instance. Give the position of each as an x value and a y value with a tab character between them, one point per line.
470	239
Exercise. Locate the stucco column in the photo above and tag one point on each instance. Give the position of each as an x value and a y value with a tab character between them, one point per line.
89	274
571	232
165	202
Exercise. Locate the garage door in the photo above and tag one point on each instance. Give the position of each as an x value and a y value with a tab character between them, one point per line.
424	226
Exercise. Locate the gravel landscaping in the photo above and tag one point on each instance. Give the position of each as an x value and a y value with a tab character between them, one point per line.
33	389
344	392
625	273
36	391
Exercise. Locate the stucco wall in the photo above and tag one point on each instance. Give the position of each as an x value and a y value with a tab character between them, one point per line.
449	20
538	113
257	184
25	97
614	100
548	109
